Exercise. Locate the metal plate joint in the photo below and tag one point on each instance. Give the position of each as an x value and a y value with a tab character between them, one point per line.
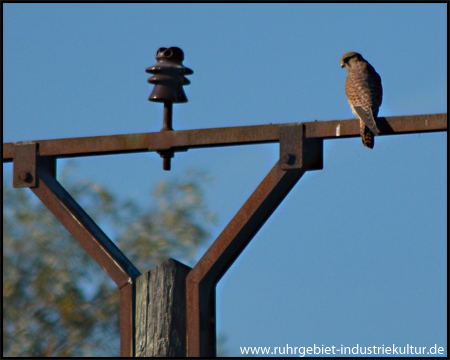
297	151
24	165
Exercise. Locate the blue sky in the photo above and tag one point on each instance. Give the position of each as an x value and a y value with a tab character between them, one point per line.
356	254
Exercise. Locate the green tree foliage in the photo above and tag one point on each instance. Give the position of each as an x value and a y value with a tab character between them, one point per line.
56	300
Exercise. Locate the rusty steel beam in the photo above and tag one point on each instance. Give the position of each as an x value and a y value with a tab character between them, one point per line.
393	125
127	303
84	229
297	155
301	147
92	238
241	135
201	280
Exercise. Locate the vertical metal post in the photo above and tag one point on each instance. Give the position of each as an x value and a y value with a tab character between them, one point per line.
127	318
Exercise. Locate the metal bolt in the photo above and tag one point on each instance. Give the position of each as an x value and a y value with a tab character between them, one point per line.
25	176
288	159
167	118
166	155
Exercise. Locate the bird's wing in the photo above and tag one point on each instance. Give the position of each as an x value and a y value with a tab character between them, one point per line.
366	115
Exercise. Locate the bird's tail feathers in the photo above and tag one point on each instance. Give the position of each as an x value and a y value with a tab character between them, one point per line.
367	136
368	117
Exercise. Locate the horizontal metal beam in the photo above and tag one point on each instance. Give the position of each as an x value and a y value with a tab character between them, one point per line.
241	135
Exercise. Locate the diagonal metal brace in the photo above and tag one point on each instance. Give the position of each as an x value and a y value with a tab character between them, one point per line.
84	229
203	278
97	244
38	173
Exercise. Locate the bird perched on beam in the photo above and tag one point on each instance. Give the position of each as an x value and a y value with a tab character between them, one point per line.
364	94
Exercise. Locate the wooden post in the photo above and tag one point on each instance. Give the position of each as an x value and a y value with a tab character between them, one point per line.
161	311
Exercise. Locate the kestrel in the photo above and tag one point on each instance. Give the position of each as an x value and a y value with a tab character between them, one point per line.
364	94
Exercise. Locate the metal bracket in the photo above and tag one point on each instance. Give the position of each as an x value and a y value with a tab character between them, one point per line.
297	151
24	165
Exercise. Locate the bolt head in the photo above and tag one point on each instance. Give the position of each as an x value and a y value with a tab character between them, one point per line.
25	176
288	159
